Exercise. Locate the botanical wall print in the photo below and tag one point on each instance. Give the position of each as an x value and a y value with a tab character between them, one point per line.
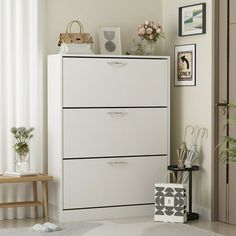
192	19
185	65
110	42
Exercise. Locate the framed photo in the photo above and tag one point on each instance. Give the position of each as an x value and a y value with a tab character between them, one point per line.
185	65
192	19
110	42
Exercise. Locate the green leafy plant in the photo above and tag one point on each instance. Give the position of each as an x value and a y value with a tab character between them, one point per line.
22	136
227	147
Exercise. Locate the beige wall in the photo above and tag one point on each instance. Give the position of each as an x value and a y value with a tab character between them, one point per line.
125	14
192	105
189	105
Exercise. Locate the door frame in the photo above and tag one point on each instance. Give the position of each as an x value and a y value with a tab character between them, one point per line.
215	159
217	12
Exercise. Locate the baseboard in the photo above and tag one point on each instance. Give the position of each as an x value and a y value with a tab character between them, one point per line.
114	212
107	213
204	213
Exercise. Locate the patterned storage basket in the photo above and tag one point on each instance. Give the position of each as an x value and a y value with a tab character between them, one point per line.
170	202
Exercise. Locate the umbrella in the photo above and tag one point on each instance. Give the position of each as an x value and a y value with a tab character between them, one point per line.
182	153
192	155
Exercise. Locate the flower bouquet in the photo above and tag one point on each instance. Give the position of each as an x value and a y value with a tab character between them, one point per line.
150	31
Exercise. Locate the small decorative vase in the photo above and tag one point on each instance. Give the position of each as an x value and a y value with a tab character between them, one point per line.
22	163
149	47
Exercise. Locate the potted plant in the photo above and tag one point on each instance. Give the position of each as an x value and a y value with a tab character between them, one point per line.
227	147
21	147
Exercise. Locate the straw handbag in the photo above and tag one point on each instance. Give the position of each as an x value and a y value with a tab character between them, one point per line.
79	42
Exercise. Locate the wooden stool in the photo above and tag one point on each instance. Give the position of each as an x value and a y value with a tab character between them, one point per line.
34	179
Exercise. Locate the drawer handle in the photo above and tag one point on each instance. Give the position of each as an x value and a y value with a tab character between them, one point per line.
117	114
117	163
116	63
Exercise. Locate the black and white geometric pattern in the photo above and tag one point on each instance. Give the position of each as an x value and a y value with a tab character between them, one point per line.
170	202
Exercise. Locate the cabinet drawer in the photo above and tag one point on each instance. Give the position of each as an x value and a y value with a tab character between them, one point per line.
112	181
114	132
99	82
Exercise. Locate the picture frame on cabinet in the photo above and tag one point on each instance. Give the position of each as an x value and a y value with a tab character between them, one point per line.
185	65
192	19
110	40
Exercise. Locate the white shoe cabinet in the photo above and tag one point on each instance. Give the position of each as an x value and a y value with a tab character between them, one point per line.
108	134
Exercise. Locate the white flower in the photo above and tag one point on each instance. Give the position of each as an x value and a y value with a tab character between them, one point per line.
149	30
154	26
141	31
158	30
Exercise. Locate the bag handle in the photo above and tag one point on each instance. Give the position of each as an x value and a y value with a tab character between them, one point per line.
69	26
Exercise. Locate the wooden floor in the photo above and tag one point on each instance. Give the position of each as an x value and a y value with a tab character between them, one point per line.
217	227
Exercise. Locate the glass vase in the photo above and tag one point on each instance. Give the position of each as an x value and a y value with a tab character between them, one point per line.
149	47
136	49
22	163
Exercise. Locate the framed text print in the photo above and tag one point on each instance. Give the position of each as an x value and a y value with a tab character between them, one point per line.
185	65
192	19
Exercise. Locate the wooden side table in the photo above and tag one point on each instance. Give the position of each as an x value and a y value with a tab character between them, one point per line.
33	179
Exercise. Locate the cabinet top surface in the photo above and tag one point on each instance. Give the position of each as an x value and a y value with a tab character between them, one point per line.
110	56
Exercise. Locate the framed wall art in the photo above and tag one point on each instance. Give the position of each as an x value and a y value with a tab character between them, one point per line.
110	41
185	65
192	19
